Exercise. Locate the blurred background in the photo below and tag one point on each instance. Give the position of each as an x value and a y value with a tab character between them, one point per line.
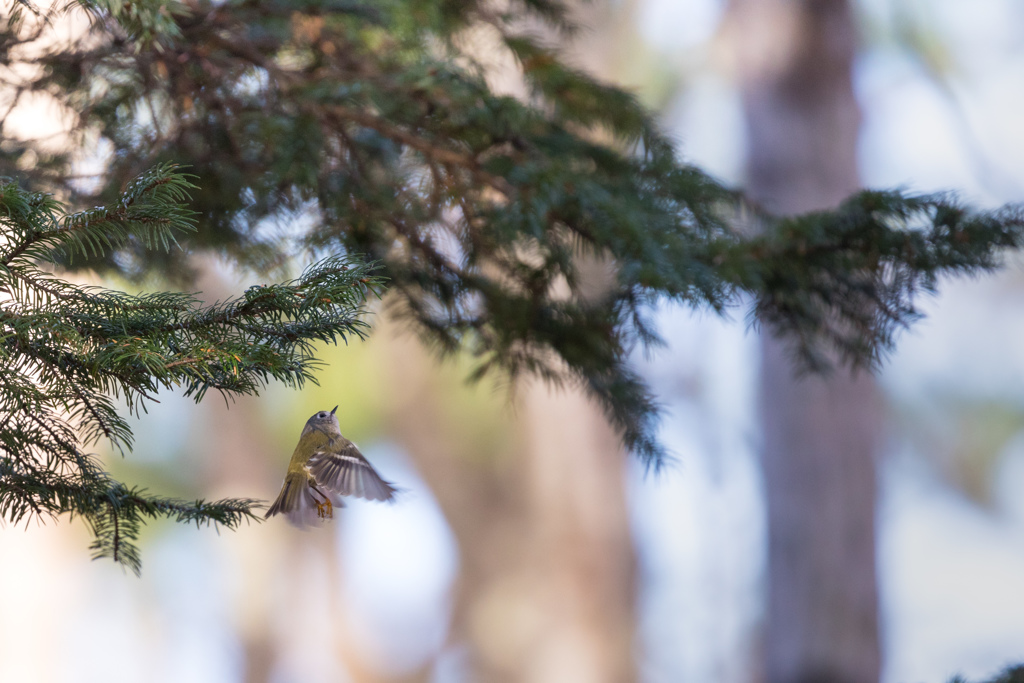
526	546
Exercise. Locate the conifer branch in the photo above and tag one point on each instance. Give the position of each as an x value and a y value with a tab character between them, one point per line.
485	212
66	350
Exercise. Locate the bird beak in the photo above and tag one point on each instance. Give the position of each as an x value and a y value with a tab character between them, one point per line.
335	408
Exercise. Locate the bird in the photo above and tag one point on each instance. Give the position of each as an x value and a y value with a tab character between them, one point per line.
325	466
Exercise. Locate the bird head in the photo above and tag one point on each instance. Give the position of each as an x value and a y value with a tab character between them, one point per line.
323	418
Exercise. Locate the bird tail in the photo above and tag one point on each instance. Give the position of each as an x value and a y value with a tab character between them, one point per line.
298	503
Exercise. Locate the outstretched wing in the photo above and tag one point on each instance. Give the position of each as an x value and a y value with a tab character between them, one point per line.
343	470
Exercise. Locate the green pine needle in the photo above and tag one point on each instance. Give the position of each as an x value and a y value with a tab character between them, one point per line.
70	354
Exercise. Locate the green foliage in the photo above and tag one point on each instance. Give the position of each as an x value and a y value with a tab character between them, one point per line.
844	282
69	352
1013	674
538	234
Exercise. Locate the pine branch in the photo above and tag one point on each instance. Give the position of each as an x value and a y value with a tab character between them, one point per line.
841	284
487	214
67	351
1012	674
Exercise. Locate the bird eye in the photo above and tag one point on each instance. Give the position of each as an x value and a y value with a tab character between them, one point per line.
322	415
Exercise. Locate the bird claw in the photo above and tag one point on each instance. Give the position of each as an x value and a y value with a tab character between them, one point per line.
325	510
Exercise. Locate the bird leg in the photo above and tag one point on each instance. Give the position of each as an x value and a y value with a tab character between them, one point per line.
325	509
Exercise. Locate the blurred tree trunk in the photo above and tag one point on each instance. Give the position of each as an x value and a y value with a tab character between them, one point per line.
229	432
820	436
582	543
545	588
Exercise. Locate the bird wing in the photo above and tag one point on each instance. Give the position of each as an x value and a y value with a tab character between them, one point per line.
342	469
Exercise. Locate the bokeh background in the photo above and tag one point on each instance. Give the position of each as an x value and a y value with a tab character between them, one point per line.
518	508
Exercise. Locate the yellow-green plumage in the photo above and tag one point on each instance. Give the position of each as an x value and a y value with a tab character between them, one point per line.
325	466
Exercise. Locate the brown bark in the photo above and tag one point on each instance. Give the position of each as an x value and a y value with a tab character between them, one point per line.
232	467
820	436
545	588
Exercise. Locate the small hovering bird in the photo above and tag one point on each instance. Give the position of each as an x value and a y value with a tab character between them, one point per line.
325	466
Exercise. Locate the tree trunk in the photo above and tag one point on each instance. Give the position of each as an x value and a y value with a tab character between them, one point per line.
820	436
545	588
